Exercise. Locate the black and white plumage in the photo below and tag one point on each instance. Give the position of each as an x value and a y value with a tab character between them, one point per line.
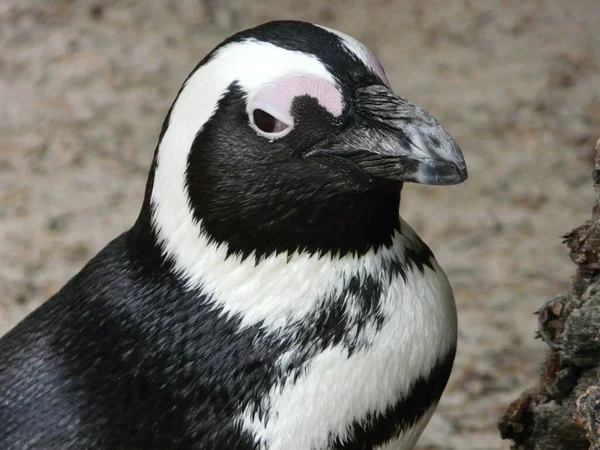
269	296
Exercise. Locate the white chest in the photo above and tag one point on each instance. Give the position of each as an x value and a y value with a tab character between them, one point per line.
337	389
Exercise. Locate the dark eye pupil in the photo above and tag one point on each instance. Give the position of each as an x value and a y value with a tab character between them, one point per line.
264	121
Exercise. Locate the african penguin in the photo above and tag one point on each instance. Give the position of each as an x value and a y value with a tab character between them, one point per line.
269	296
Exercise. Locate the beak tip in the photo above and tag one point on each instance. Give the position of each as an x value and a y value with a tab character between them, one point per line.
462	172
444	163
440	173
459	176
458	161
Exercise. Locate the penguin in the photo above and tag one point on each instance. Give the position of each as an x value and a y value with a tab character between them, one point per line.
269	296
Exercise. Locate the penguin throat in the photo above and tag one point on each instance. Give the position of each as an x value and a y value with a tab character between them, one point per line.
341	225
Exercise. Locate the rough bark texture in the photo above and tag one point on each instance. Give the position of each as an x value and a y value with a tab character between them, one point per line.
563	411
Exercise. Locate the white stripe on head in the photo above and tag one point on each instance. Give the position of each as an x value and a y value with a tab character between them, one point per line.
282	287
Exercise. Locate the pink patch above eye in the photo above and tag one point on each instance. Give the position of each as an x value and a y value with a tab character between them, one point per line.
277	97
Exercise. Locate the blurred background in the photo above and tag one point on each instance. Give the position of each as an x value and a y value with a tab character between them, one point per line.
85	85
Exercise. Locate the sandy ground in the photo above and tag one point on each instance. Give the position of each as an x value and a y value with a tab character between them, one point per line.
85	86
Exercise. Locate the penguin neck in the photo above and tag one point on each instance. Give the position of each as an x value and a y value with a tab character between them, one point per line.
338	225
348	225
273	289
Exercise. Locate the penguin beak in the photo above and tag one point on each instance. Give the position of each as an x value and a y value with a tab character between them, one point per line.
396	140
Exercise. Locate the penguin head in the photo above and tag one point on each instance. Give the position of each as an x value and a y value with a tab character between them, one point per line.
287	138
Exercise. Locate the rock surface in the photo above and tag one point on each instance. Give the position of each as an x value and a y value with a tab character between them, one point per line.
563	410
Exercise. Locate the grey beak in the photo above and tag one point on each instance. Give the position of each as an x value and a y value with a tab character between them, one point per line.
396	140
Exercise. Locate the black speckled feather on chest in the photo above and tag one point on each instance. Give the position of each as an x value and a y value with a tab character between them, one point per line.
269	296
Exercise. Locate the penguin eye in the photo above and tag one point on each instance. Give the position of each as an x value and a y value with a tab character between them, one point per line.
268	124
